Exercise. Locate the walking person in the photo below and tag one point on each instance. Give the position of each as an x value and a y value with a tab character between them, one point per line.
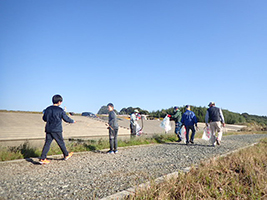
215	118
189	119
113	129
53	116
176	117
133	123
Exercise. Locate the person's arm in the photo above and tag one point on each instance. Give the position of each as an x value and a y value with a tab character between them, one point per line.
222	118
207	118
131	118
66	118
179	116
182	120
176	115
45	116
134	120
111	121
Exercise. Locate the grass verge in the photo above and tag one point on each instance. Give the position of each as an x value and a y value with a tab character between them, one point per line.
26	150
241	175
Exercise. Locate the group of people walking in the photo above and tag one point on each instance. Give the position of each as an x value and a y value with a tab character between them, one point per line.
53	116
188	119
213	118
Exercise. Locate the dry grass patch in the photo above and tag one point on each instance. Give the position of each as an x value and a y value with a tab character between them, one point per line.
241	175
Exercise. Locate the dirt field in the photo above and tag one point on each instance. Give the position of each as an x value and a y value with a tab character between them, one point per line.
16	126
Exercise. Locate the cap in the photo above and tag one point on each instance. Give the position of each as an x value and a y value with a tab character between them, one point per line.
111	105
187	106
136	111
211	103
175	107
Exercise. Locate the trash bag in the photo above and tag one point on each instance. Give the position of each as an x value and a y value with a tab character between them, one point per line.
206	133
165	124
138	130
183	134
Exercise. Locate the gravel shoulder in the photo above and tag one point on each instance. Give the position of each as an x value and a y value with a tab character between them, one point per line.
95	175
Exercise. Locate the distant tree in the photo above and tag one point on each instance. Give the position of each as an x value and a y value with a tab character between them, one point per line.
130	110
230	117
104	110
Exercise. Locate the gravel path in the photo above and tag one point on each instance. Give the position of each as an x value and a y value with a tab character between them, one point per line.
88	175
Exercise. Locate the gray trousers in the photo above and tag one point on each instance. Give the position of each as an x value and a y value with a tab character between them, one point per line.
113	142
133	130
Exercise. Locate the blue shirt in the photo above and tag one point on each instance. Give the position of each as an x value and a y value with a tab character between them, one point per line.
189	118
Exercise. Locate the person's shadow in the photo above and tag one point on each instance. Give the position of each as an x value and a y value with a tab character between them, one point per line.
38	163
32	161
99	151
183	144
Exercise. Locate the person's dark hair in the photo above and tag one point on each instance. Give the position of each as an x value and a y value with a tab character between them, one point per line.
57	98
111	105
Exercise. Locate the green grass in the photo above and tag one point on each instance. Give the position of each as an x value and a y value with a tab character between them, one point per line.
79	145
241	175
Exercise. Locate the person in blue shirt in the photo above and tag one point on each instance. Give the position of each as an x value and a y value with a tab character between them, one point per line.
189	119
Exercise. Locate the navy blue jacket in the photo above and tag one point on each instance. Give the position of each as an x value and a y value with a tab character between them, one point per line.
53	116
189	118
214	114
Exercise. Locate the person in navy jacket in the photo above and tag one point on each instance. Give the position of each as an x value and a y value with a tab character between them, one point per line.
189	119
53	116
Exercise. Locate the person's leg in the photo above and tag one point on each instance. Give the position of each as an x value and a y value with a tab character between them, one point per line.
115	140
187	134
213	133
48	141
60	141
193	134
133	130
178	131
111	139
219	129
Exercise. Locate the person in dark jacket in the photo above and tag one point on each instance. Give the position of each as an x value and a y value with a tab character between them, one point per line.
113	129
53	116
214	117
176	117
189	119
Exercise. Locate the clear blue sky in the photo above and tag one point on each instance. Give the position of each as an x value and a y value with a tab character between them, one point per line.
147	53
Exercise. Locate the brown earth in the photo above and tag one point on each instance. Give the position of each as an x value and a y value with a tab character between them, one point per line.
16	126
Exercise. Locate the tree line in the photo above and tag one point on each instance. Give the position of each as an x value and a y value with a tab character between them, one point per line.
230	117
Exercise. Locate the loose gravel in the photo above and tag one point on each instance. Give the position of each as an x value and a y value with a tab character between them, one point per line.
95	175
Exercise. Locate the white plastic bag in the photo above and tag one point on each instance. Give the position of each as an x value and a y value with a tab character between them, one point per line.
165	124
206	133
183	134
138	130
